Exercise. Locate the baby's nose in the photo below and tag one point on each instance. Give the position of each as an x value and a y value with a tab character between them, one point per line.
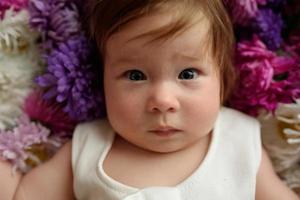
163	98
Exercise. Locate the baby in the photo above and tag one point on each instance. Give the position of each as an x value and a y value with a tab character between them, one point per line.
166	73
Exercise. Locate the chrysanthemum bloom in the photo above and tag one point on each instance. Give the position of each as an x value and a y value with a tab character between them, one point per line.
268	26
280	134
265	79
16	5
243	11
12	93
14	144
17	72
288	116
15	34
56	20
293	46
20	62
70	79
49	114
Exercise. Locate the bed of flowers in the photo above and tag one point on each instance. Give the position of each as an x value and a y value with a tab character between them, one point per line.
49	78
267	60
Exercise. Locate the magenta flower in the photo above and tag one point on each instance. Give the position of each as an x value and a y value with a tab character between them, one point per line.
243	11
265	79
294	46
50	114
14	4
15	143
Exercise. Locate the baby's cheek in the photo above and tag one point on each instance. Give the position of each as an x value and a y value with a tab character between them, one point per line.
124	113
203	113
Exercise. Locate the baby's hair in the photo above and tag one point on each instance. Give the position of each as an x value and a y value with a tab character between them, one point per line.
107	17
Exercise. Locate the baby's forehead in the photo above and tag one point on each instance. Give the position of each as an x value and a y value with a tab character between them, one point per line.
164	30
163	24
130	44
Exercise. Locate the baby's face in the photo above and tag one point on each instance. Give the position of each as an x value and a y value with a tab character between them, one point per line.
164	95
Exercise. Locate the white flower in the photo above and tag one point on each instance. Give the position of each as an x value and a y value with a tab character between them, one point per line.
20	63
289	116
281	134
13	90
15	33
16	81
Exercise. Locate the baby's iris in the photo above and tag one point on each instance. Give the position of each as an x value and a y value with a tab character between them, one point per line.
135	75
188	74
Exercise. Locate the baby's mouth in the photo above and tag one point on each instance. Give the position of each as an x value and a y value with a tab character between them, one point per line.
165	131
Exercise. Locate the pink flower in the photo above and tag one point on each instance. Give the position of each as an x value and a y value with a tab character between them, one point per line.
48	113
14	4
265	79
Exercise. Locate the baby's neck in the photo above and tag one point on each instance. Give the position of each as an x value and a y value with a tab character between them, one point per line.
144	168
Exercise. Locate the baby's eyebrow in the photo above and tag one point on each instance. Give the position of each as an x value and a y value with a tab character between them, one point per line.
175	56
123	60
184	56
187	57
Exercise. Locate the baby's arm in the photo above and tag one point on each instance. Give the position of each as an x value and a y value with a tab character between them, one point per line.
269	186
49	181
9	181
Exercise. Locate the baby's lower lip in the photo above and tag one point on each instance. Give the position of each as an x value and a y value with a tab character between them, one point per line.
165	133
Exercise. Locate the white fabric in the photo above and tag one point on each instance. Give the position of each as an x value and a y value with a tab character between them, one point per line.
228	171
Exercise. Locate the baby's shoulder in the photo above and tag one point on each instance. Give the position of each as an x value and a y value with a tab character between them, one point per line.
239	127
90	139
99	126
232	117
239	131
97	132
92	124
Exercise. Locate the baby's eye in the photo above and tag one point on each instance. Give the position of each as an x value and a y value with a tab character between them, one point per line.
135	75
189	73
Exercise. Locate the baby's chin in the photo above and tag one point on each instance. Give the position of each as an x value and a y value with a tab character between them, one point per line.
165	148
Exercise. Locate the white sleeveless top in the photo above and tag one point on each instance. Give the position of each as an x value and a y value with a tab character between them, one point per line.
228	171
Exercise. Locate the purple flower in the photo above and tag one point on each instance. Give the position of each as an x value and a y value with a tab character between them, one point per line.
268	27
14	4
15	143
265	78
70	79
56	20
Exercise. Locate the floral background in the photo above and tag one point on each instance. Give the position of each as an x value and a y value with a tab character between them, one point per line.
49	77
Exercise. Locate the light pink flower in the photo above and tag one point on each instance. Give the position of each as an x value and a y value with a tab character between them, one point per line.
15	143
